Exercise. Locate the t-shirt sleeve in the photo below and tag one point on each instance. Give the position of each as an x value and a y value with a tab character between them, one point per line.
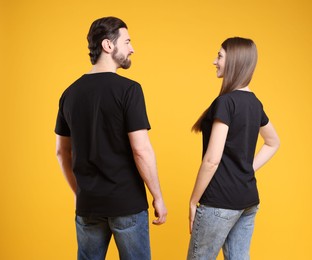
135	109
222	110
264	119
61	127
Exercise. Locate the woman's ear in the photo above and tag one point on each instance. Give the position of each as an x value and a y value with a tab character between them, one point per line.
107	46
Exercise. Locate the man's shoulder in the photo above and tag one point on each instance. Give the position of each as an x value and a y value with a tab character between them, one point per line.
112	78
126	80
71	86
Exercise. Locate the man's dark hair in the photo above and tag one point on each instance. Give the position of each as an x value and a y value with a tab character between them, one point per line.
103	28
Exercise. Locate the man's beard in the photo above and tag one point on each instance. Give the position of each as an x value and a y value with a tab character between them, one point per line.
121	60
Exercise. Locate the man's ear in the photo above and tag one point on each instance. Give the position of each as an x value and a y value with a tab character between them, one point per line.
107	46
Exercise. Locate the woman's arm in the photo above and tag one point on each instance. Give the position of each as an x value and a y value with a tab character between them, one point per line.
209	165
269	148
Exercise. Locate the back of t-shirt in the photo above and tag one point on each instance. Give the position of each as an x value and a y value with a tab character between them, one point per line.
234	184
97	112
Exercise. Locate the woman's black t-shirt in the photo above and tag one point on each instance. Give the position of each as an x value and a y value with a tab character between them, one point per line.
233	185
97	112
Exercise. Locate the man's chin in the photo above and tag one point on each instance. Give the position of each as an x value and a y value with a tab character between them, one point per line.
126	65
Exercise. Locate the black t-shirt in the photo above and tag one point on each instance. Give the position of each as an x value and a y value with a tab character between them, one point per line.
234	184
97	112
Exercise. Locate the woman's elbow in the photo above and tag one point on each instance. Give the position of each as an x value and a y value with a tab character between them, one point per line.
212	163
276	144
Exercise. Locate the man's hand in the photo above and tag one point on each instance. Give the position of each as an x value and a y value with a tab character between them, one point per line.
160	212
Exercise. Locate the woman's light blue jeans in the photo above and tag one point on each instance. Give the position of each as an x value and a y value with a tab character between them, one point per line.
216	228
131	234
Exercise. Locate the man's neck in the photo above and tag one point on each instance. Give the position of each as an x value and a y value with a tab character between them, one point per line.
102	66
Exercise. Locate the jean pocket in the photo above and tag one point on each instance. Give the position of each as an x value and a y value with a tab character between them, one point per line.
124	222
226	213
87	221
251	210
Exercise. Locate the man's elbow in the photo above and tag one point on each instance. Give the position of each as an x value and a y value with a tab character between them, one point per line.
59	154
62	153
63	146
142	150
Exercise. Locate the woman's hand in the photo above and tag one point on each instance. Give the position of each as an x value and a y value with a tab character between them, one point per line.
192	213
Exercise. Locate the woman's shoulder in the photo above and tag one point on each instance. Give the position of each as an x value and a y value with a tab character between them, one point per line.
224	98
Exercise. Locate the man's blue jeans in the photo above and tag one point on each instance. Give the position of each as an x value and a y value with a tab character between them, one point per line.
216	228
131	234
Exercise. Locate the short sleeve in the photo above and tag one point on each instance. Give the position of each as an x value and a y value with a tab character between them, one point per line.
61	127
264	119
135	109
222	109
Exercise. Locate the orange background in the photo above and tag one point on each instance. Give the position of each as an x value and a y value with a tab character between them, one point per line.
44	48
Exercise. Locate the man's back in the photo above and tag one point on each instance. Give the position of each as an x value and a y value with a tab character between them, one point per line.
98	111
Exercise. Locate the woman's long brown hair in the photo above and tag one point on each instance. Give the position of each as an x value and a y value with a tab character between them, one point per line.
240	63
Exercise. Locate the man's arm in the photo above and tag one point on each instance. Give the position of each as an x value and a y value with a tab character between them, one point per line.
64	156
146	163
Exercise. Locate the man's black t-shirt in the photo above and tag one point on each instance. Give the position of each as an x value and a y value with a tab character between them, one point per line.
97	112
234	184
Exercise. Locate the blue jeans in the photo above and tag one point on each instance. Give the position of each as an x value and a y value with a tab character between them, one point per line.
131	234
216	228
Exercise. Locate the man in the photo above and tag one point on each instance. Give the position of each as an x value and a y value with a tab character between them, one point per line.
104	151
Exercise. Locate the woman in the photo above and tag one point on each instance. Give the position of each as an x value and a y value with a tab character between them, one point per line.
225	199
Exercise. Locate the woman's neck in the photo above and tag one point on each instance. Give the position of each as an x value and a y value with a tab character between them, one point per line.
244	89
